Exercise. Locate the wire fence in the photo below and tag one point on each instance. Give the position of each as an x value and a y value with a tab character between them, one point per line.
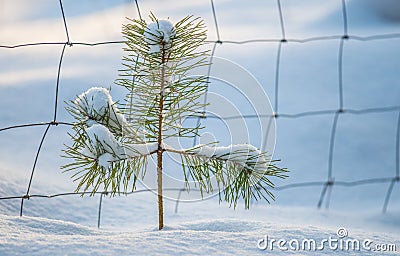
325	185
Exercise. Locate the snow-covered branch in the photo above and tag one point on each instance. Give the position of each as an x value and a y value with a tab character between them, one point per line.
96	106
101	145
245	155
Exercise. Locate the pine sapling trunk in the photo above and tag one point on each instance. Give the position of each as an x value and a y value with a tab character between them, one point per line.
160	149
159	183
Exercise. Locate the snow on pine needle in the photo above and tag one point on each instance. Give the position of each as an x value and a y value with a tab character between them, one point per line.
96	106
101	141
238	171
158	34
245	155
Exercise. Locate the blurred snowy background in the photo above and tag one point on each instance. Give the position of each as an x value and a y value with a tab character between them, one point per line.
308	80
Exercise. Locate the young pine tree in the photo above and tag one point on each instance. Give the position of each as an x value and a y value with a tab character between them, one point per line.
111	145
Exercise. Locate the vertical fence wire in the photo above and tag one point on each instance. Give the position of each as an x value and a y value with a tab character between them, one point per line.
397	170
58	83
26	196
282	25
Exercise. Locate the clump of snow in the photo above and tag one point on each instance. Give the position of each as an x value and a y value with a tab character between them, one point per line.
95	101
100	135
102	145
204	150
105	160
98	107
159	34
244	154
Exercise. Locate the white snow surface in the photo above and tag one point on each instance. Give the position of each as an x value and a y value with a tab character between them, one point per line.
67	225
158	33
197	229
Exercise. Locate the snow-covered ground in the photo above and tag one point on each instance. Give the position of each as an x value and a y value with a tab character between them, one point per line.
365	145
68	226
200	229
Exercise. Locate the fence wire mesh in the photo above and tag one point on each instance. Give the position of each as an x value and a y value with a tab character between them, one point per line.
336	114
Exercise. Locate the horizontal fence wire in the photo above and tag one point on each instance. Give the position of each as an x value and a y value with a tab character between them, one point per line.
326	185
376	37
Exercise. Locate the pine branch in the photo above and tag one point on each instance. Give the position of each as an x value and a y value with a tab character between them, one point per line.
239	171
102	160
